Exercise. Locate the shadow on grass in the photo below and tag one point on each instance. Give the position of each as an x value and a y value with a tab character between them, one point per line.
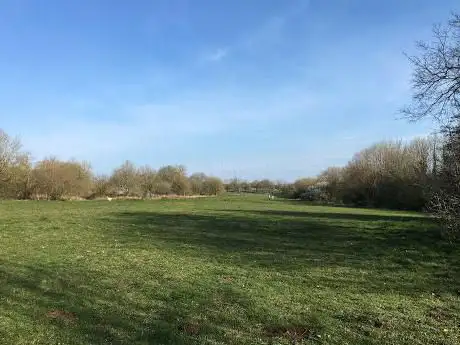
87	309
299	202
341	216
367	253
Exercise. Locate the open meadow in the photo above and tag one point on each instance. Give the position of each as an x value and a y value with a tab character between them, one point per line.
225	270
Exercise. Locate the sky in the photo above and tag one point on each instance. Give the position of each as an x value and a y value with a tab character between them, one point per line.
252	89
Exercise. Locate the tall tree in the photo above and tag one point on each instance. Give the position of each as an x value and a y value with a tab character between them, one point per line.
436	94
436	76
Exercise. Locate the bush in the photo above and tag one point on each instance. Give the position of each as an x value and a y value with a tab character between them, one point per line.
446	207
197	182
57	179
213	186
147	180
162	188
125	180
101	186
176	176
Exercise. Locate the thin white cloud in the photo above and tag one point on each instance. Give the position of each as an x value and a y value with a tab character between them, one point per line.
176	122
266	34
271	31
217	55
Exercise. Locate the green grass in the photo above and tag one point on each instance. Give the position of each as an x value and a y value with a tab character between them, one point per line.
230	270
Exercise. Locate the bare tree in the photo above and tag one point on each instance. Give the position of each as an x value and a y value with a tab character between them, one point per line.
101	185
125	179
436	76
235	185
176	177
213	186
56	179
387	174
302	186
332	178
147	180
436	94
265	186
197	181
447	208
162	187
22	182
10	151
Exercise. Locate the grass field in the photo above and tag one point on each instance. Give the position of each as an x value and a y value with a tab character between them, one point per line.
229	270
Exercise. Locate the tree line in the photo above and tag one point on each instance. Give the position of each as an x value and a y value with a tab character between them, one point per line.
55	179
391	174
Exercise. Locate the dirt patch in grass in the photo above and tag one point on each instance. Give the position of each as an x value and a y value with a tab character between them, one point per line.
439	314
293	333
227	279
364	319
191	328
62	315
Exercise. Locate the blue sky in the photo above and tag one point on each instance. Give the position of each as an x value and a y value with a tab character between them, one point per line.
250	88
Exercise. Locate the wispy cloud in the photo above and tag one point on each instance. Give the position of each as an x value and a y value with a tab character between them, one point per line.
270	32
217	55
266	34
175	122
